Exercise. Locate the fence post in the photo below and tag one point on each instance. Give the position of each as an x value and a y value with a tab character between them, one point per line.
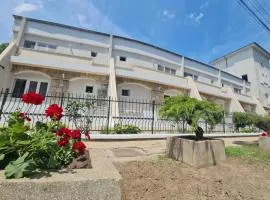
108	115
62	99
153	116
3	102
224	123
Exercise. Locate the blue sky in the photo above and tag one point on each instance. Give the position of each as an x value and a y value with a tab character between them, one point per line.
201	29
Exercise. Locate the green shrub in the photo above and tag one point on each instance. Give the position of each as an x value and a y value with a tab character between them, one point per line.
121	129
242	120
191	111
262	122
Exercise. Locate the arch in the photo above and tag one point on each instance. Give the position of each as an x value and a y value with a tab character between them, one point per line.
133	83
27	72
81	78
173	92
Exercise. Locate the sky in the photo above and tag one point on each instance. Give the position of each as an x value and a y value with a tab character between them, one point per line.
200	29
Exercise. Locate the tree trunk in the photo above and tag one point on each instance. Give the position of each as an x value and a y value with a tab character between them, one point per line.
199	133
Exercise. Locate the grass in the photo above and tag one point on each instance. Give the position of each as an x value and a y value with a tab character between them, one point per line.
251	153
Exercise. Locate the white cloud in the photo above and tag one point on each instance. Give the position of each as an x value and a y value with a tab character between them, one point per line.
83	21
91	17
27	7
194	18
204	5
168	14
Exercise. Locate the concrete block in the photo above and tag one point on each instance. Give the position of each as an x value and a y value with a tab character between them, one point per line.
264	143
196	153
102	182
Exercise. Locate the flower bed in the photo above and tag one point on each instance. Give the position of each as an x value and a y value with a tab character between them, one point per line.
25	150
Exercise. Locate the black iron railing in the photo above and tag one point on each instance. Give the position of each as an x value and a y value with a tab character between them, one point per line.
106	113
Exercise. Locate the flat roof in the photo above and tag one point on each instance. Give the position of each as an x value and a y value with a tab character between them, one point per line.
253	44
121	37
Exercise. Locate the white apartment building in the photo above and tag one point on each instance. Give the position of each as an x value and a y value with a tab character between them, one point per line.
47	57
252	63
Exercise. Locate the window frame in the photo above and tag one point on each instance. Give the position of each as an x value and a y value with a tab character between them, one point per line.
125	89
122	58
94	54
91	86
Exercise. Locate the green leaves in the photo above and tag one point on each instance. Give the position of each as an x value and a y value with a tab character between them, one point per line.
191	111
19	167
2	156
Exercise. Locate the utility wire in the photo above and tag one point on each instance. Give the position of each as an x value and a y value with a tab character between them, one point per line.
255	15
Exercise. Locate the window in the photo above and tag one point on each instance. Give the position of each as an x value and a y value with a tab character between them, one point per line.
245	77
29	44
173	71
166	96
212	82
222	84
93	54
89	89
42	45
22	85
52	46
19	88
195	78
187	74
43	88
32	86
123	59
160	68
237	91
167	70
125	92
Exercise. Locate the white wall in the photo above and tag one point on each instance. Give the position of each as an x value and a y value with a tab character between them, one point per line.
78	86
137	91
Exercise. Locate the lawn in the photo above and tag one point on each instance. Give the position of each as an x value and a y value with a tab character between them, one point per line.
249	153
163	178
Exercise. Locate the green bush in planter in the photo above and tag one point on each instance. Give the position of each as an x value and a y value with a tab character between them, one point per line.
122	129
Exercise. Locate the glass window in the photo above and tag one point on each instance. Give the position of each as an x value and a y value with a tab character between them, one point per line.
187	74
195	78
19	88
123	58
93	54
51	46
237	91
173	71
43	88
32	86
29	44
167	70
160	68
125	92
89	89
42	45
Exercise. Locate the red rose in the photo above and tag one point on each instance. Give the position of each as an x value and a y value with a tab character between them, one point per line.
79	147
54	112
64	132
32	98
22	115
76	134
62	142
27	119
264	134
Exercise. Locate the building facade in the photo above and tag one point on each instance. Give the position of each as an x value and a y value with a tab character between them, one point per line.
252	64
47	57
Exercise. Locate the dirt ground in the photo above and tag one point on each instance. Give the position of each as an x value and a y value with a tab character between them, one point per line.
162	178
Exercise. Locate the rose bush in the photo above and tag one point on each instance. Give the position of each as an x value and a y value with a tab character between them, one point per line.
25	150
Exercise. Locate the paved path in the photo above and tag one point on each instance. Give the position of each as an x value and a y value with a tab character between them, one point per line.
143	149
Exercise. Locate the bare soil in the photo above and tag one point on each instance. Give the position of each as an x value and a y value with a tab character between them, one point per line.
163	178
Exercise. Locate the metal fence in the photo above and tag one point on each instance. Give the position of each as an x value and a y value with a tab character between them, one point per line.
105	113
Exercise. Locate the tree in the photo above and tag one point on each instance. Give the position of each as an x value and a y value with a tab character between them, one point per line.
190	110
3	46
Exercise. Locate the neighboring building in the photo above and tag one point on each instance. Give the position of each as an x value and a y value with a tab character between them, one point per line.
252	63
49	57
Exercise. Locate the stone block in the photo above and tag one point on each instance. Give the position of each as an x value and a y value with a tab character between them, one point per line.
264	143
196	153
102	182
